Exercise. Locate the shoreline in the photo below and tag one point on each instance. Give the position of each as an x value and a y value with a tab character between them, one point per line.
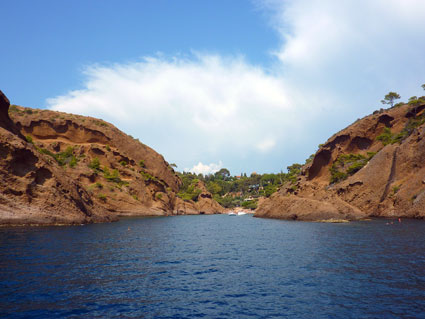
329	221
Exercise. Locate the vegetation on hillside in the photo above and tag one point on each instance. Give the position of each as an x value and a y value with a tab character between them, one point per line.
415	120
64	158
232	191
347	165
189	189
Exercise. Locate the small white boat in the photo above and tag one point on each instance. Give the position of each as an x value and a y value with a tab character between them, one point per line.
241	213
232	214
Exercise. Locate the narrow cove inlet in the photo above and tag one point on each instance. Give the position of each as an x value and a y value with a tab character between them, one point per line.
251	159
214	267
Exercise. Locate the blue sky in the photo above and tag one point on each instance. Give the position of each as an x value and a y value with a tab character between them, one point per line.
47	43
247	85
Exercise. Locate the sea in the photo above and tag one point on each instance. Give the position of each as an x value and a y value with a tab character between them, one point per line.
214	266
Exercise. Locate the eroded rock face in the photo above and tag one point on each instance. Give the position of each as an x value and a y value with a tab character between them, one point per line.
5	121
33	191
389	185
59	168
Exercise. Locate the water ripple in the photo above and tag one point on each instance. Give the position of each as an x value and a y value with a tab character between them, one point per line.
214	267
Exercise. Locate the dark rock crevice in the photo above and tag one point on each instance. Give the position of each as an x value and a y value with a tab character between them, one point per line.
321	160
390	177
5	121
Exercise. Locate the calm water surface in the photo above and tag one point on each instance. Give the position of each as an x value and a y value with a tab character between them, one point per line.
214	267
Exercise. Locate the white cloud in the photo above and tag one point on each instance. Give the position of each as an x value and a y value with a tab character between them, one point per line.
189	110
335	62
266	145
205	169
343	46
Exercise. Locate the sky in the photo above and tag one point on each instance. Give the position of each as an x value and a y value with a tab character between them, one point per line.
252	86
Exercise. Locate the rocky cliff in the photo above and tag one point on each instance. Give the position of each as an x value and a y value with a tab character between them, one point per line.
59	168
373	168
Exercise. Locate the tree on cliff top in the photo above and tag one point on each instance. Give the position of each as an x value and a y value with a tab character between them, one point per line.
390	98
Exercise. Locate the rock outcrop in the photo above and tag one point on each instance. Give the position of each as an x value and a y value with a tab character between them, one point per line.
59	168
204	204
33	191
5	121
378	181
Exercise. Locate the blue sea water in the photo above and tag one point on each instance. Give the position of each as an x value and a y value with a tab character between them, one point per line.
214	267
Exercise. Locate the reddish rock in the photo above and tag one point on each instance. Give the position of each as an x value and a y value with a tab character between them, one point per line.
5	121
389	185
48	180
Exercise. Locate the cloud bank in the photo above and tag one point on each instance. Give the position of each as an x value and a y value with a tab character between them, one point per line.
205	169
335	61
202	108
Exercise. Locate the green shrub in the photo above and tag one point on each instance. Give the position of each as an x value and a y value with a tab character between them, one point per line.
102	197
66	157
46	151
396	189
123	163
270	189
250	204
142	163
347	165
355	167
146	176
158	196
62	158
29	139
337	176
191	191
99	185
113	177
73	162
95	164
370	155
100	123
13	108
108	148
386	136
228	201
